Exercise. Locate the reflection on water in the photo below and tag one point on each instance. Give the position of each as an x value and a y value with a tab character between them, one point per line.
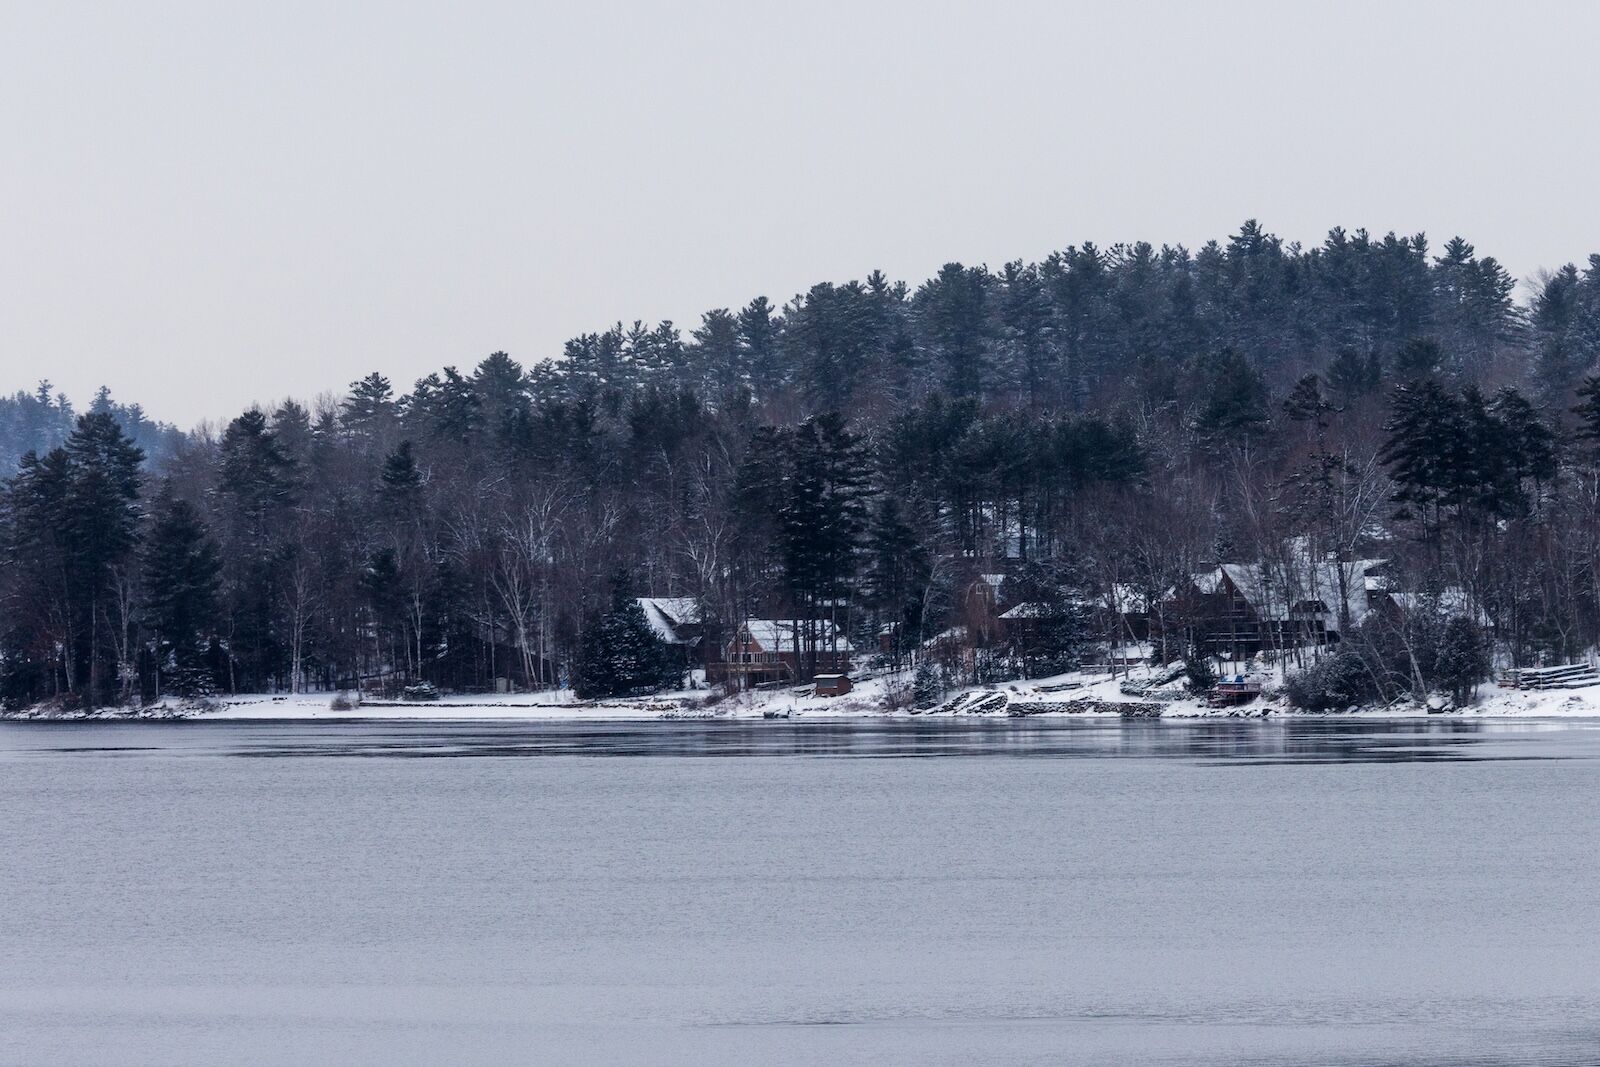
1223	742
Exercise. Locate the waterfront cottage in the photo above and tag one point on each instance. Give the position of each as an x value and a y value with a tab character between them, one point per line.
677	621
764	651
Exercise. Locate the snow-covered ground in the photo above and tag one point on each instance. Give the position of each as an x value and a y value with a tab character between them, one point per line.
561	705
1078	694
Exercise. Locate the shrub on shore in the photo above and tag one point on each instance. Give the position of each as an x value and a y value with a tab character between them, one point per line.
1334	683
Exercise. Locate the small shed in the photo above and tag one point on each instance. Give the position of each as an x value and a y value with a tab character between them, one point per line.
832	685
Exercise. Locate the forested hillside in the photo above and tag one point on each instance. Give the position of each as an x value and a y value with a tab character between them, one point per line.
1107	419
40	420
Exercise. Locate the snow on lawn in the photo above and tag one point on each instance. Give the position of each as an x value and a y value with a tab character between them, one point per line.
1075	694
1492	701
1496	702
559	705
1078	694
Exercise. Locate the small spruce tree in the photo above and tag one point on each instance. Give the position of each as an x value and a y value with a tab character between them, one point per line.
620	655
1461	659
928	686
181	577
1233	400
1198	669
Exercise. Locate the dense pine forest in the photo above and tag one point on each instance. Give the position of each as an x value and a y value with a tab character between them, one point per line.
1106	423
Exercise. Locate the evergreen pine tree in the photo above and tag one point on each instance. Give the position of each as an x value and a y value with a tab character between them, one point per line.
101	520
927	687
384	598
256	474
500	387
369	410
759	329
898	570
256	483
36	658
717	358
291	425
1305	403
953	309
1049	636
1529	443
1351	377
1426	449
1420	357
1484	480
1233	407
1588	412
620	655
1461	659
400	478
181	576
1199	670
822	516
444	406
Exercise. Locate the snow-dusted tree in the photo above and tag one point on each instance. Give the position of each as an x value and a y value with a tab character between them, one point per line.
621	655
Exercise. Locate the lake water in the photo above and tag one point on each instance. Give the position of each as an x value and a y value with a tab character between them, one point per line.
792	893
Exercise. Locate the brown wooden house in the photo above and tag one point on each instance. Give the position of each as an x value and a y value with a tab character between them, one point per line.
765	651
1235	610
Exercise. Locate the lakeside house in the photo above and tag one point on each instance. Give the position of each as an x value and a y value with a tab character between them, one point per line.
765	651
1235	610
678	622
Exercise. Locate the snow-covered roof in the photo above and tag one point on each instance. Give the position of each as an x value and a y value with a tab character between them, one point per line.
1277	595
1028	609
953	635
777	635
666	613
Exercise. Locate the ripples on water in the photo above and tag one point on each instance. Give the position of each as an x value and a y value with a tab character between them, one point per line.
1074	892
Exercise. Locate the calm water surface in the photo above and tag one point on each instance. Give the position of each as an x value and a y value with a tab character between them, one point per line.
693	893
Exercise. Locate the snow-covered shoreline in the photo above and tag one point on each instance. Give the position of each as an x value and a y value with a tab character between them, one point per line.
1072	696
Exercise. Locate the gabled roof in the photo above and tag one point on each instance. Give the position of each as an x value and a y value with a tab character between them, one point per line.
1276	596
777	635
953	635
666	613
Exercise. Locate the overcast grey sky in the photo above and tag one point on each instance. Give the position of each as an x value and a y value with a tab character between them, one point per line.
212	204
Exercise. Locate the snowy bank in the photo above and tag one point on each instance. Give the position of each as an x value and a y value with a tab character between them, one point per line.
1076	694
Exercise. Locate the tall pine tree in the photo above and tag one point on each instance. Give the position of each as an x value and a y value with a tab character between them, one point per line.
182	573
